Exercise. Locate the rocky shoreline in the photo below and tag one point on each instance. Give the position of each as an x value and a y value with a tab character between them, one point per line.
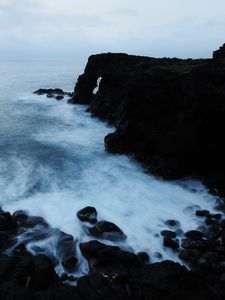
113	273
169	114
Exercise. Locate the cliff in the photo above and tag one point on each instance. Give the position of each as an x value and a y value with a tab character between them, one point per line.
169	114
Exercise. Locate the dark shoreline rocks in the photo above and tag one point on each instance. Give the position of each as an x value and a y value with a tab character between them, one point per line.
107	230
87	214
169	113
113	273
57	94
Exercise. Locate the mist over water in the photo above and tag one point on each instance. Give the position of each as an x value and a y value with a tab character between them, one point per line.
53	163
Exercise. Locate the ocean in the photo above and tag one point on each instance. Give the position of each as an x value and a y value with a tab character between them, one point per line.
53	163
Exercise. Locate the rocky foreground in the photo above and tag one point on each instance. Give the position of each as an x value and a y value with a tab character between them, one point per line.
169	114
113	273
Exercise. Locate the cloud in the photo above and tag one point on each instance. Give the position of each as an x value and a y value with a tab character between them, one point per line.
74	27
126	12
6	3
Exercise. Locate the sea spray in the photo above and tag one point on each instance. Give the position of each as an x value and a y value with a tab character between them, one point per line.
61	166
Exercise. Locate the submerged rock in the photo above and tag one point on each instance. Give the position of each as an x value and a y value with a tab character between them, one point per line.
87	214
172	223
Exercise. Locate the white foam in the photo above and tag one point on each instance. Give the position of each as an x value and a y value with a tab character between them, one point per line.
76	172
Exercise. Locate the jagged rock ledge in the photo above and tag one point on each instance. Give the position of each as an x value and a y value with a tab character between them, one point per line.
169	113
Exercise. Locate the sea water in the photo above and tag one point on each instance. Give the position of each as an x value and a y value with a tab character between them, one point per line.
53	163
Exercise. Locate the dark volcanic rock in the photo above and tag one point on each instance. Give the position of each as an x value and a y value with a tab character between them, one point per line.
194	234
170	243
6	221
169	113
172	223
58	94
109	259
70	263
88	214
219	55
107	230
168	233
114	274
202	213
59	97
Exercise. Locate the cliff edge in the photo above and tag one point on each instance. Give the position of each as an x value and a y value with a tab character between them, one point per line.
169	114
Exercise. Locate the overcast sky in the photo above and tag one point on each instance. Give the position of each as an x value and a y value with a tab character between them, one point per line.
70	29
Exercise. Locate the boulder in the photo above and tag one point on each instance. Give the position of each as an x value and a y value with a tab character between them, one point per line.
87	214
194	235
107	230
108	259
170	243
169	234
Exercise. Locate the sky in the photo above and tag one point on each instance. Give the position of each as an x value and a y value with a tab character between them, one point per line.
74	29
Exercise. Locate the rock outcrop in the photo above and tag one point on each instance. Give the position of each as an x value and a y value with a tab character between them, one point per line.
169	113
113	272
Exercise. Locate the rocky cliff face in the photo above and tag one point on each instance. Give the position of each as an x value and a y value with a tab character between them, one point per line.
169	113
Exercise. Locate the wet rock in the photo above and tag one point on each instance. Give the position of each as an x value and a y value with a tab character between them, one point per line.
108	259
190	255
172	223
35	272
70	263
72	278
107	230
64	277
202	213
21	217
50	96
21	250
59	97
24	220
43	274
61	293
209	221
194	234
213	232
169	280
143	257
52	92
4	240
217	216
87	214
169	234
158	255
170	243
6	221
66	248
